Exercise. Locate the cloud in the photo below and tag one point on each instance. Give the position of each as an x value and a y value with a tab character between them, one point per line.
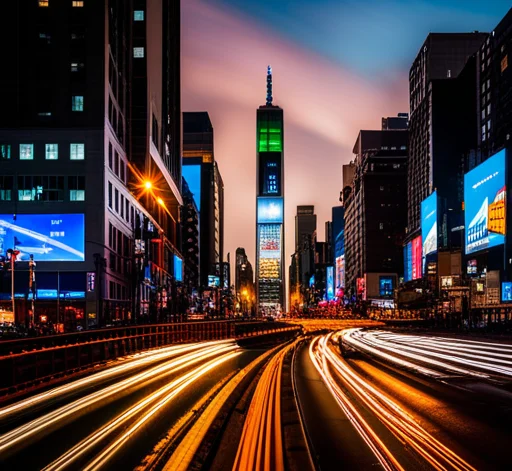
224	59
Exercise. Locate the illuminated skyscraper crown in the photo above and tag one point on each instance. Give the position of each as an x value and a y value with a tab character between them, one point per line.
269	86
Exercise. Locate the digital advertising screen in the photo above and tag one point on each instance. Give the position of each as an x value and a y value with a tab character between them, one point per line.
408	262
485	204
472	267
213	281
178	268
429	224
386	286
329	289
192	175
416	258
340	272
506	291
49	237
270	210
269	248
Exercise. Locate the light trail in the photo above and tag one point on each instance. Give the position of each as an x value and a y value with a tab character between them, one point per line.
369	436
33	430
146	408
138	360
261	443
478	360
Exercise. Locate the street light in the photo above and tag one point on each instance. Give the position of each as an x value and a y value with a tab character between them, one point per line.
148	185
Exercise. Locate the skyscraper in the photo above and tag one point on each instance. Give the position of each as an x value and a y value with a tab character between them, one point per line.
89	161
202	174
269	205
305	224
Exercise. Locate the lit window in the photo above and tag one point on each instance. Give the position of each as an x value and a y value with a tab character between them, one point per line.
77	103
5	151
52	151
138	15
76	195
504	63
26	151
138	52
44	113
77	66
44	3
77	152
381	226
403	147
78	4
488	109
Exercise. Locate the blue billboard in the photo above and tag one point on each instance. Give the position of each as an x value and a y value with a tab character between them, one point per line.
329	289
485	204
178	268
429	224
506	291
270	210
49	237
408	262
192	175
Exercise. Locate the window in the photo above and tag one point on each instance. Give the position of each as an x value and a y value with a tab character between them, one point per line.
504	63
44	3
403	147
45	39
127	211
76	187
138	15
488	109
381	226
40	188
78	4
116	163
122	206
138	52
122	171
6	187
110	195
5	151
116	199
110	155
77	67
77	151
77	103
381	188
26	151
52	151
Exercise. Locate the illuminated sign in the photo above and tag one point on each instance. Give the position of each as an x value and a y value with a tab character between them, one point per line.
429	224
485	204
213	281
269	240
330	283
340	272
416	259
49	237
386	286
408	262
312	281
361	287
506	291
192	175
178	268
270	210
472	267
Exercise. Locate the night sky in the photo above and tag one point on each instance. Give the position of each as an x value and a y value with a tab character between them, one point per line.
339	66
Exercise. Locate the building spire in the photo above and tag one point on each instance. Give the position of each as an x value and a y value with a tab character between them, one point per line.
269	86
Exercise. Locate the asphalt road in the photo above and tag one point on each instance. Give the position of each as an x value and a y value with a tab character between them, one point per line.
467	416
49	442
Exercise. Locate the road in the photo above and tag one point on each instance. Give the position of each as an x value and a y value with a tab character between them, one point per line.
110	420
365	410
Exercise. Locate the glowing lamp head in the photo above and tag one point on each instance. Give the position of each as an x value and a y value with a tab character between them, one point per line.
160	201
148	185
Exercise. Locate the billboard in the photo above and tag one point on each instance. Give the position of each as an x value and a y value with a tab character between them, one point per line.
506	291
213	281
178	268
386	286
270	210
329	289
408	262
340	272
49	237
429	224
269	248
416	258
192	175
485	204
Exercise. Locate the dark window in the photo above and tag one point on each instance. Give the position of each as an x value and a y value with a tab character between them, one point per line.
110	195
76	186
117	200
110	155
154	133
6	187
116	162
40	188
122	170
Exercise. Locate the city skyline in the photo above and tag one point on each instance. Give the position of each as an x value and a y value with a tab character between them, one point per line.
327	98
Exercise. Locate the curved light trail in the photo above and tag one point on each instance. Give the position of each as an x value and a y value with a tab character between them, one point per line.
401	424
444	355
35	429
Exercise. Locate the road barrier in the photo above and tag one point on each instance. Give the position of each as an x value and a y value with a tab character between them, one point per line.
30	361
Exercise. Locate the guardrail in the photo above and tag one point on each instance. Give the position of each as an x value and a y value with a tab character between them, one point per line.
30	360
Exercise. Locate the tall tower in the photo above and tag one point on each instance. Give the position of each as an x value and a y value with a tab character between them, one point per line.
269	205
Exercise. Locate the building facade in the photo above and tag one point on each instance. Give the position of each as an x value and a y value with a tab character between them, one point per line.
244	282
203	177
375	212
79	155
270	250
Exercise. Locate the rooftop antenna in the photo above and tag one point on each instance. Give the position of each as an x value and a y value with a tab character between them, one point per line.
269	86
